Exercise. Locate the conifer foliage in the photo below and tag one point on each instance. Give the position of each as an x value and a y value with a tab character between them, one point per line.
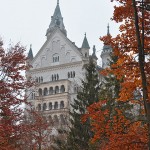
132	48
80	133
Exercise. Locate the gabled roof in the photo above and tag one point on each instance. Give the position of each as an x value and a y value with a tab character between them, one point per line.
85	43
51	36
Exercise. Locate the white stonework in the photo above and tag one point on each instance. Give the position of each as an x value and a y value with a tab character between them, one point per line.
57	69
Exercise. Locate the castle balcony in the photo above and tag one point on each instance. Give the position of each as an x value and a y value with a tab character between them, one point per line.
53	88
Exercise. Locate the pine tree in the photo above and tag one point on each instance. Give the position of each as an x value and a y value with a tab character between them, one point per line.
80	133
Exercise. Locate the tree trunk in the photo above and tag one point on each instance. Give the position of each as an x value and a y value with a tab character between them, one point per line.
140	42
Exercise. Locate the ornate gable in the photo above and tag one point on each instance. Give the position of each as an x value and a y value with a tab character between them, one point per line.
57	50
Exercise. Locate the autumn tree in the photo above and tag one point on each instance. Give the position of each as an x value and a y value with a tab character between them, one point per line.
111	120
37	133
12	86
132	48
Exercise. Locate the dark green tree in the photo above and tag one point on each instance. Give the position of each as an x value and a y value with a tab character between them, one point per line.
80	133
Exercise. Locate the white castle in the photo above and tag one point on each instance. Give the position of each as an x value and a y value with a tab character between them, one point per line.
58	70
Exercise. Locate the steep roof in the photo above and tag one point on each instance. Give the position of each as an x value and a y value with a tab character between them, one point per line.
56	21
30	54
85	43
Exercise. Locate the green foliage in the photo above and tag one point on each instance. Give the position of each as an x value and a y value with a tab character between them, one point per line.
80	133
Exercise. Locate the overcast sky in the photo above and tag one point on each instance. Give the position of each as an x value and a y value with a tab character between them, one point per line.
26	21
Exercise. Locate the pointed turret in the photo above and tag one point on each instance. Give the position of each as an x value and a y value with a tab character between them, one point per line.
108	33
30	54
106	51
85	43
56	21
85	47
94	53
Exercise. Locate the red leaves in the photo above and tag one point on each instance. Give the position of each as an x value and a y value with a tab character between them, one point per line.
12	86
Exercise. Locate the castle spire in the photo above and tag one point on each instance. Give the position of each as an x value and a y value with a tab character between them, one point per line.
56	21
30	54
108	33
94	53
85	43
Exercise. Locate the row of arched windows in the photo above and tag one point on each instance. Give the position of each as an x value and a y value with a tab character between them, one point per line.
50	106
56	120
55	77
39	79
51	90
71	74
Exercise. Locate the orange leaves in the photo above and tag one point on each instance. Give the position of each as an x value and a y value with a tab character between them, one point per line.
115	131
116	125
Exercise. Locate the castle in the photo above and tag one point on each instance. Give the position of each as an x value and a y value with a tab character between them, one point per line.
57	69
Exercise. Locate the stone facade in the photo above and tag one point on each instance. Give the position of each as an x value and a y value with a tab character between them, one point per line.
57	69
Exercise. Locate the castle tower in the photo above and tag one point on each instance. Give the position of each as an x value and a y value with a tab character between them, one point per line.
57	69
106	51
85	47
56	22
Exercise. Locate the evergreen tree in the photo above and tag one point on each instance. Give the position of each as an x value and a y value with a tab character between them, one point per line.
80	133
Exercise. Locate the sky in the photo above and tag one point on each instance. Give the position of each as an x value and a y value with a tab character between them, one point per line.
26	21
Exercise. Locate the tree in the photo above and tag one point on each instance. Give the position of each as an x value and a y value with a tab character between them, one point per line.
132	48
12	87
80	133
113	123
37	133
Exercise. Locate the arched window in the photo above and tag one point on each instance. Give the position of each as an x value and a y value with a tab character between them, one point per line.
41	79
36	80
45	91
85	54
40	92
52	78
62	119
39	107
56	89
71	74
56	120
51	123
61	104
57	77
62	89
74	74
50	106
51	90
56	105
44	107
68	75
